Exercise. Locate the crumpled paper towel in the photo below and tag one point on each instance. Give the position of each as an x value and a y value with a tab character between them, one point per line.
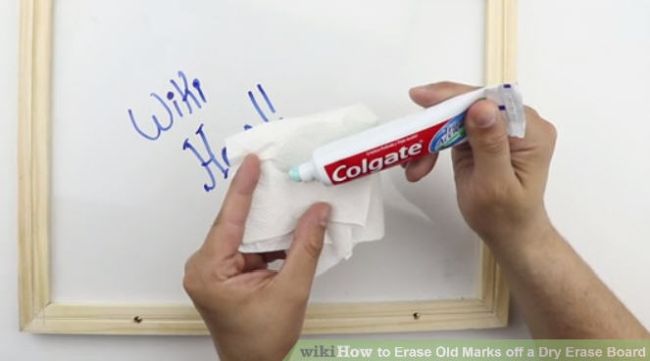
357	208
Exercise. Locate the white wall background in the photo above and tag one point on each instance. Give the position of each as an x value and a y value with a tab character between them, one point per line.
584	65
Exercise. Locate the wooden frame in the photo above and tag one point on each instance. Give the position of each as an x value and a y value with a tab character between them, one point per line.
39	314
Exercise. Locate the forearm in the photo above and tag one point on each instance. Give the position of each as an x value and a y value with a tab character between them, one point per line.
560	295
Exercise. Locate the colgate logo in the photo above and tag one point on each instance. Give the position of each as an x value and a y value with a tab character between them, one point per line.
347	172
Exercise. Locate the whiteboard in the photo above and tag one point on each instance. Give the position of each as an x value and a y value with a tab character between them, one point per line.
129	204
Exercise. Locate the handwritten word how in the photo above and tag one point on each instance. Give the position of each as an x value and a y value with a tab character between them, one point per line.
211	160
256	105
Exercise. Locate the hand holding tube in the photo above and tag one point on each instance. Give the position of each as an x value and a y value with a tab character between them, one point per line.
500	180
500	183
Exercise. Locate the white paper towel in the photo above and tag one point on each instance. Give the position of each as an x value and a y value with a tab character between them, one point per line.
357	208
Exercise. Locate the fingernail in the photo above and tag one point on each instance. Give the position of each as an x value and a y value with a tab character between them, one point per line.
419	88
324	215
486	119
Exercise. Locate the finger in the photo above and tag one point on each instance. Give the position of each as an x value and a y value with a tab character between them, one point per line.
488	138
432	94
417	169
254	261
461	159
228	229
539	132
536	148
249	281
298	270
272	256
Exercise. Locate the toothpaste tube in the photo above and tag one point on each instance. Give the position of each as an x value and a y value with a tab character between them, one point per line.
406	139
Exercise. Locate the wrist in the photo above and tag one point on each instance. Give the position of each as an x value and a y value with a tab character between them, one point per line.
532	233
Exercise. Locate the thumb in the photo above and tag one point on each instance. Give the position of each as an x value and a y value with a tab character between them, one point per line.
300	265
488	138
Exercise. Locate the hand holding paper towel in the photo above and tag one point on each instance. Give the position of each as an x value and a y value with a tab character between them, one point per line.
357	211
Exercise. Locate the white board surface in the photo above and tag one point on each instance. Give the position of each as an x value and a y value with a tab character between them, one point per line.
127	210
